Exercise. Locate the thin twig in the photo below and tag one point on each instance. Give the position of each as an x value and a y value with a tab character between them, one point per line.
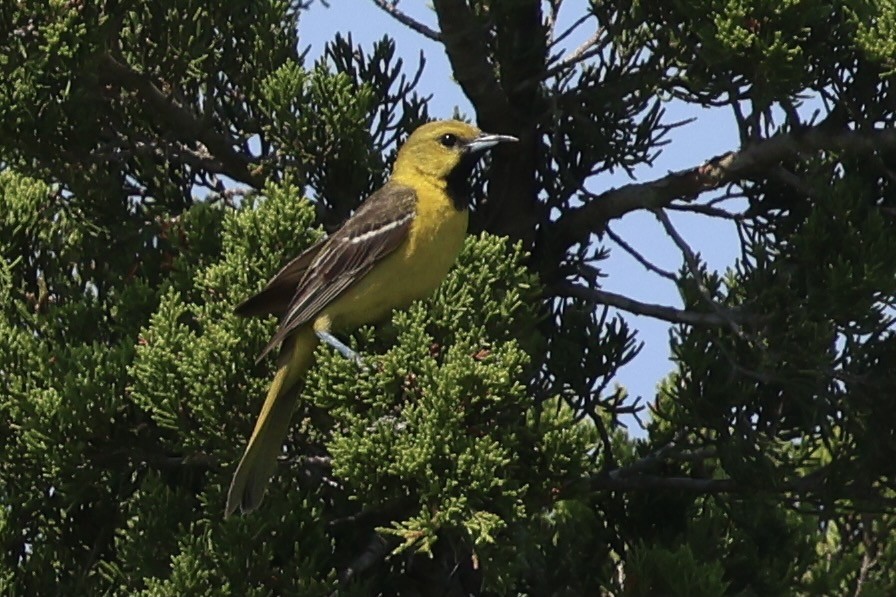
693	265
619	301
869	555
581	53
566	63
706	210
392	9
550	22
578	22
640	258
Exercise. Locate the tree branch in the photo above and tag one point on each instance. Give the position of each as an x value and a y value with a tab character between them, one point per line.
375	550
391	7
643	464
178	151
651	482
639	482
693	264
802	486
586	50
649	265
619	301
752	160
465	44
552	22
182	122
705	209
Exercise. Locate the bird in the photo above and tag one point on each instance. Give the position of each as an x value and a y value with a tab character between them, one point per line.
396	248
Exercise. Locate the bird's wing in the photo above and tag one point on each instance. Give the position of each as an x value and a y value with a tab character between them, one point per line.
275	297
379	226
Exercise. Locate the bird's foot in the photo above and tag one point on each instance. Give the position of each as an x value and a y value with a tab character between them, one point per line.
341	348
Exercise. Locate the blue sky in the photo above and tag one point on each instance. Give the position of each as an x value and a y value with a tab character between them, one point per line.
713	132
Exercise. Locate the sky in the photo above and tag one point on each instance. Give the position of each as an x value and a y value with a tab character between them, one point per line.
713	132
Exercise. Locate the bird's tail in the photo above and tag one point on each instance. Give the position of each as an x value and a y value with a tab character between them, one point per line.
260	458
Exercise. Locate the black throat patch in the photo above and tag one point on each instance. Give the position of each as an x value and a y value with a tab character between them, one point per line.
458	182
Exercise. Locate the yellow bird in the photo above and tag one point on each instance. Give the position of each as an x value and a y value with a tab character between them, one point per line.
396	248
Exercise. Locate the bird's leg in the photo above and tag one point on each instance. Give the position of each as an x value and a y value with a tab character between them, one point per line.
339	346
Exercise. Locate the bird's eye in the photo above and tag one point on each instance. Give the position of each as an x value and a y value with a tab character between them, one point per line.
448	140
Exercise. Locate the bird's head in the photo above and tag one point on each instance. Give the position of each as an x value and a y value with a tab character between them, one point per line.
443	149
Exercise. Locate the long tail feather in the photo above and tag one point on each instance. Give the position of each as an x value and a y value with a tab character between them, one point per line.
260	458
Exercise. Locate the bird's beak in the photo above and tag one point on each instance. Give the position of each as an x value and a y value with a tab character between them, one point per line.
485	140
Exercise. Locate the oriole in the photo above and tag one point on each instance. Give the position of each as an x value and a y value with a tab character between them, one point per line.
396	248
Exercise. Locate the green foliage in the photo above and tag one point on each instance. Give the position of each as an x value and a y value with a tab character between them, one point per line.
836	262
326	104
778	48
159	161
452	425
445	429
876	31
659	571
848	554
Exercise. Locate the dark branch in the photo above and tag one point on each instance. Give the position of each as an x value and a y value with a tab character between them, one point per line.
649	265
751	161
181	121
392	9
580	54
465	44
651	482
665	453
693	264
552	23
662	312
706	210
125	148
375	550
614	481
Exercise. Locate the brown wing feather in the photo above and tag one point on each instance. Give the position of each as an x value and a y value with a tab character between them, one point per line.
379	226
275	297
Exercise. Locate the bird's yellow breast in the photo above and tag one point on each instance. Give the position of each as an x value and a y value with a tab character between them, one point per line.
413	271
